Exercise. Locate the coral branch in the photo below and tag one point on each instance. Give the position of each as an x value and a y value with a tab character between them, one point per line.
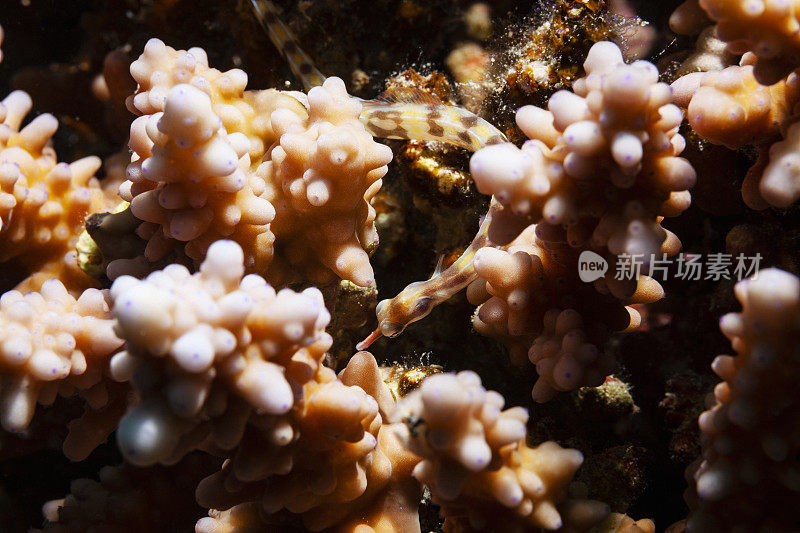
476	462
769	29
43	203
51	344
191	340
749	472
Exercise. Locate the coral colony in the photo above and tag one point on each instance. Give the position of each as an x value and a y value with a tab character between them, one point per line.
185	323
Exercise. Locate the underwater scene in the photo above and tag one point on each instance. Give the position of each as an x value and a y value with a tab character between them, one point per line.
397	266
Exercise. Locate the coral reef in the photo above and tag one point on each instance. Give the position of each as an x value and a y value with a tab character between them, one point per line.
53	344
729	107
754	103
43	202
332	461
750	446
188	180
583	149
326	171
476	462
262	168
126	498
182	304
191	337
768	29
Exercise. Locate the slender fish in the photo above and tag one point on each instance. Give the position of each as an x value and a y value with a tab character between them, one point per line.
418	299
397	114
402	113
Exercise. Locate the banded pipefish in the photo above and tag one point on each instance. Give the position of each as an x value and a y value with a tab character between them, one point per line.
402	114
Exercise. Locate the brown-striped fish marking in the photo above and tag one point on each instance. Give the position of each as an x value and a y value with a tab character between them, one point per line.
402	113
398	114
412	114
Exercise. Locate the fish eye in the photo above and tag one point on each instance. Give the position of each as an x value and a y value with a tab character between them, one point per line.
390	329
422	306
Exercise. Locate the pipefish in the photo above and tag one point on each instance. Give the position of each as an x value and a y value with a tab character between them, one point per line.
404	113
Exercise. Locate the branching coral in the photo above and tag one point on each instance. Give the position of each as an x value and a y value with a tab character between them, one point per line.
190	180
191	338
519	292
332	460
192	354
323	173
599	174
733	108
42	202
767	28
50	344
476	462
226	363
213	161
750	437
749	464
615	138
203	193
779	182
